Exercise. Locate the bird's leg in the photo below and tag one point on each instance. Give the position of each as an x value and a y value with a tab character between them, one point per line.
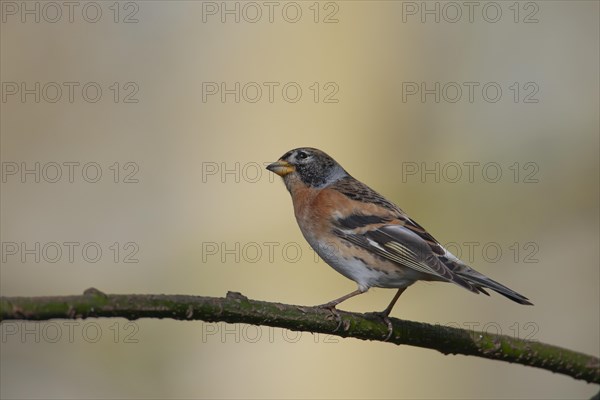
331	306
388	309
385	313
335	302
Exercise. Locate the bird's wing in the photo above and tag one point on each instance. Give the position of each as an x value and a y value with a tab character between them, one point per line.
435	246
355	190
398	242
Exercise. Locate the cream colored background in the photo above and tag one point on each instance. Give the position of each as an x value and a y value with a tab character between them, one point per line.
171	134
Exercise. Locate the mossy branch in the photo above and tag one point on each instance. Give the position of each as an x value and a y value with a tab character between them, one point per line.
236	308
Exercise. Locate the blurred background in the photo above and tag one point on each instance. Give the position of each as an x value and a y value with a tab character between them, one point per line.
134	137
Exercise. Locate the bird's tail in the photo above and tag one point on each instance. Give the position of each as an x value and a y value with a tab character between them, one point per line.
481	281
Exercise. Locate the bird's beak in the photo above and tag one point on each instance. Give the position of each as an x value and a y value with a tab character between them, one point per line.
281	168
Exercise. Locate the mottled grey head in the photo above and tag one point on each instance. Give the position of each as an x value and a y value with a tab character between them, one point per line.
312	166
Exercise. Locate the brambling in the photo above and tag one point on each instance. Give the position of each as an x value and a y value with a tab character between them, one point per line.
364	236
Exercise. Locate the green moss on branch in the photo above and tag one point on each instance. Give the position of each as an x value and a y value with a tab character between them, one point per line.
236	308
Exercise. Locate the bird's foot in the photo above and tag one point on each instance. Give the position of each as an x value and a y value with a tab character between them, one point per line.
386	320
334	313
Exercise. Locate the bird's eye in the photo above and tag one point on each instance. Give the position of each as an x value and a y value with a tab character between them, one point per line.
302	155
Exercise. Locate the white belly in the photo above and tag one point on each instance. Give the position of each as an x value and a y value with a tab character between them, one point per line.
356	269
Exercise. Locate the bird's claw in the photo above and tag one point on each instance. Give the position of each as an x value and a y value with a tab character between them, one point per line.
390	327
334	312
386	320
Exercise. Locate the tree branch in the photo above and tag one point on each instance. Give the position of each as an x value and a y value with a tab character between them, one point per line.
236	308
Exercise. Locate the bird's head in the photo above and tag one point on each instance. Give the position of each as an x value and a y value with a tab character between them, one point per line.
311	166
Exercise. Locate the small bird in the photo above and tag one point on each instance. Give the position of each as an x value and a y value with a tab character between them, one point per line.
364	236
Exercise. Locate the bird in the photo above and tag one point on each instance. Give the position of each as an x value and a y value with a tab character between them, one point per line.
366	237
